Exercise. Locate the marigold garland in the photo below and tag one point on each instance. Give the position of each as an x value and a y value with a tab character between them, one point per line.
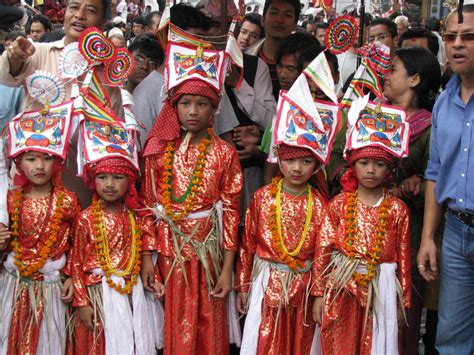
45	250
278	243
375	252
195	184
103	252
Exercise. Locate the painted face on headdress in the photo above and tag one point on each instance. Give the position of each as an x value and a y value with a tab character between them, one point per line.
382	127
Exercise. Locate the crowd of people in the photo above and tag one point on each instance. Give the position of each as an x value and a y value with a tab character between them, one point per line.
217	228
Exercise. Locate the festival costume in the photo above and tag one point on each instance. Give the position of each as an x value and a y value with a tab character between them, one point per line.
279	241
32	315
105	268
362	263
194	191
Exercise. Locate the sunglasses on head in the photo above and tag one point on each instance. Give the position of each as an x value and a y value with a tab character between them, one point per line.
465	37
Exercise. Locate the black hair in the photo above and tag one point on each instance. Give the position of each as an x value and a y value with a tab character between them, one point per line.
367	17
185	16
391	26
52	36
149	18
255	19
13	35
41	19
322	25
295	3
149	46
332	58
418	32
308	22
418	60
432	24
301	45
464	9
139	20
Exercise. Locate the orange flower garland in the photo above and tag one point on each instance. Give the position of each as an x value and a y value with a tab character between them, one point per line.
375	252
277	238
194	186
102	248
45	251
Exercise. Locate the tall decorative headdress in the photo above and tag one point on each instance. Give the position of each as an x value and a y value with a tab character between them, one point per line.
303	122
46	132
377	125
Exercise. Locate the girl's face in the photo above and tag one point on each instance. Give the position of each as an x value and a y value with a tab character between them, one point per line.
111	187
397	82
38	167
371	173
195	112
296	172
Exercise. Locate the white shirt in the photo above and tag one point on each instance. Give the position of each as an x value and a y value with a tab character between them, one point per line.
122	9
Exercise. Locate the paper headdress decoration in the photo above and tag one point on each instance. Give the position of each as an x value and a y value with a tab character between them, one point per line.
304	122
46	132
100	140
371	124
185	62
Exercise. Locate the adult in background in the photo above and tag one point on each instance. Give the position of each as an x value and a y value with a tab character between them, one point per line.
419	37
383	30
152	22
434	25
279	21
251	31
450	176
402	24
37	27
320	34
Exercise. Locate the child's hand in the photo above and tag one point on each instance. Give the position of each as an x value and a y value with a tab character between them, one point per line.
4	236
86	315
67	291
158	290
318	306
241	302
148	273
400	317
223	285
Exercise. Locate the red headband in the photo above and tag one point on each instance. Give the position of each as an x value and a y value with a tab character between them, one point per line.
167	127
286	152
117	166
370	152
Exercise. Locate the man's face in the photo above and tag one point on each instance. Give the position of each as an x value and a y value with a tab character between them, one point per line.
143	66
279	21
137	29
382	34
248	35
287	71
321	35
81	14
460	52
412	42
37	31
310	28
401	28
155	24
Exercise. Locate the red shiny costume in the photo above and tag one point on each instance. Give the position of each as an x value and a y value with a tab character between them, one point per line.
194	321
34	230
342	328
293	332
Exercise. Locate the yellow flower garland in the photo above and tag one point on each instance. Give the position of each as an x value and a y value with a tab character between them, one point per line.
45	250
196	179
103	253
375	252
287	257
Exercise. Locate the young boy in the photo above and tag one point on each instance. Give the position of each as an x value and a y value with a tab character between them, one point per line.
108	293
362	259
193	181
33	282
275	260
274	269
